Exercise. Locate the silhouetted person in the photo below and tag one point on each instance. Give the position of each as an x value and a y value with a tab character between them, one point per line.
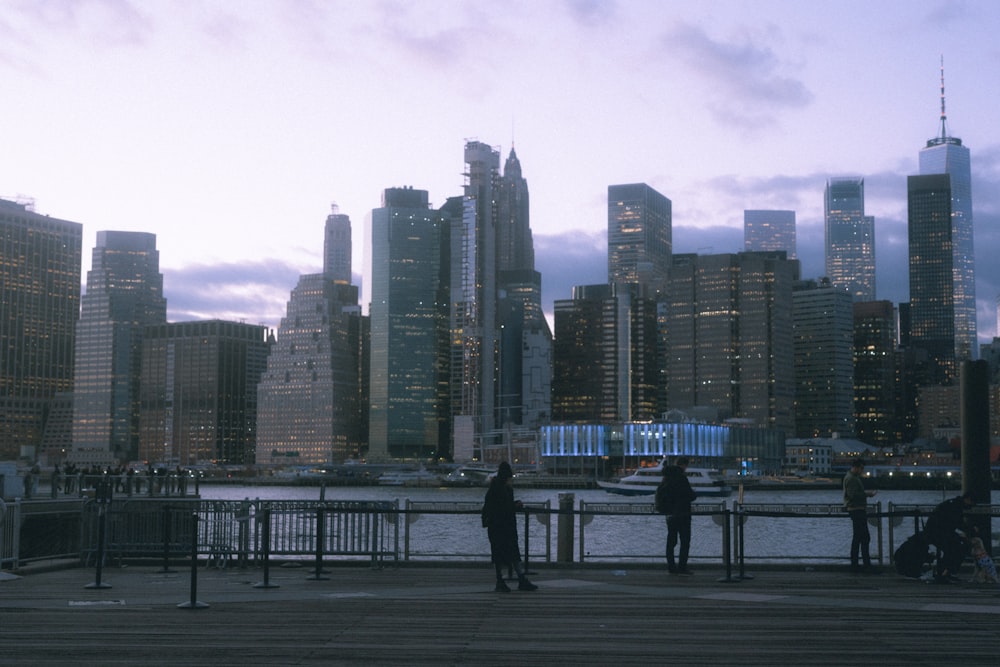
500	519
674	498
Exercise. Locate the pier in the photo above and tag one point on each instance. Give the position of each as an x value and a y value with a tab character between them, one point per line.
449	615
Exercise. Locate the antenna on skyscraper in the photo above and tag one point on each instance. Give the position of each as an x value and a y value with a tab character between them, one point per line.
944	116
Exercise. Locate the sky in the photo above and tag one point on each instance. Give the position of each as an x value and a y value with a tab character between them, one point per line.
229	128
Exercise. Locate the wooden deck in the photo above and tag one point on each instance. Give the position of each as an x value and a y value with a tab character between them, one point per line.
437	615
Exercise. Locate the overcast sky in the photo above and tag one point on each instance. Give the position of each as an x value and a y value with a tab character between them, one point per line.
228	128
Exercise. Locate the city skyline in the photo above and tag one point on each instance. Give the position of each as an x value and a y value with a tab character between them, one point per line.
229	137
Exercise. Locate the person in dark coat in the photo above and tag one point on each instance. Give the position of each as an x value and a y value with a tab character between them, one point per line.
679	494
942	530
500	519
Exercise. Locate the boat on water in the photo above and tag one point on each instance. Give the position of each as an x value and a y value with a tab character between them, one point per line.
420	477
468	476
707	483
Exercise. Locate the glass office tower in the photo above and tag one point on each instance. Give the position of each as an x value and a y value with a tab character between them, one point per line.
932	276
124	296
408	416
945	154
639	236
766	230
850	238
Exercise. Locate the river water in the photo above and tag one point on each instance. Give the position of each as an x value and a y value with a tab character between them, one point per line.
622	538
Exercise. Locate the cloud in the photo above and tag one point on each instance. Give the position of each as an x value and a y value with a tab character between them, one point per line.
254	292
747	81
569	259
104	24
590	13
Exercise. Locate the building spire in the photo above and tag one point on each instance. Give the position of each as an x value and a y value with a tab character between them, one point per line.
944	116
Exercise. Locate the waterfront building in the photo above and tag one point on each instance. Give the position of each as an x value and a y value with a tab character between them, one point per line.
605	355
588	447
639	236
849	238
409	410
875	373
124	296
39	305
945	154
808	457
932	278
198	393
728	324
767	230
823	339
473	301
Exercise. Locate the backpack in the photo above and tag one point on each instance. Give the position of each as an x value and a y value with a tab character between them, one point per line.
663	503
911	556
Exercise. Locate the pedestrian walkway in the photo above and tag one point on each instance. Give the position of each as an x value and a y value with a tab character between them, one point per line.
450	616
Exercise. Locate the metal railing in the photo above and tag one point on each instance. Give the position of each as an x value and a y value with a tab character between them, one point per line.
246	532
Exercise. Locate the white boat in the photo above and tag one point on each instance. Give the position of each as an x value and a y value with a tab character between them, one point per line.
469	476
707	483
421	477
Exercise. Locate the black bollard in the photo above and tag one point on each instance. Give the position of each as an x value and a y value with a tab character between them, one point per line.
527	568
102	495
193	602
975	420
727	550
740	520
318	574
166	540
266	550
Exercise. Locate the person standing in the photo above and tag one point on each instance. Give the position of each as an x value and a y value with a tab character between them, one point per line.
500	520
856	506
674	498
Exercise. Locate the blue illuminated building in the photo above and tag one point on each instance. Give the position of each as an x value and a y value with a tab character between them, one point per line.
721	445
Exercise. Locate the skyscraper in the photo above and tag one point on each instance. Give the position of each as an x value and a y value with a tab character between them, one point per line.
515	250
337	246
766	230
199	391
945	154
409	417
932	317
525	340
605	363
39	305
307	398
729	336
850	238
639	236
823	339
124	295
875	394
473	286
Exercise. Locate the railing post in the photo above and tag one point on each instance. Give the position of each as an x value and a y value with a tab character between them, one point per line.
527	542
320	530
102	495
564	550
375	545
727	548
166	539
193	602
266	549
